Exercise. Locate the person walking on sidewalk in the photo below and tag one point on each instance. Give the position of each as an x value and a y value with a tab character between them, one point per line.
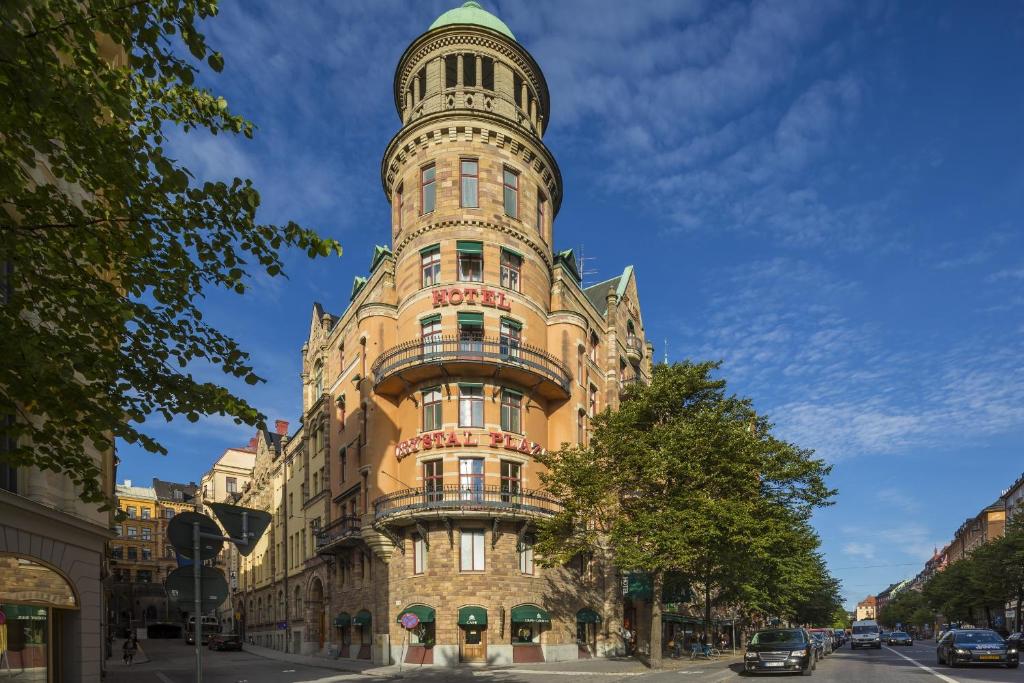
130	646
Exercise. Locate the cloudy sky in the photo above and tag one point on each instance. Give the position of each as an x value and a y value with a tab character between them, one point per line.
826	195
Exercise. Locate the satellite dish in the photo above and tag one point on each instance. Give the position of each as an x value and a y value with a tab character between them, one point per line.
181	583
230	516
179	533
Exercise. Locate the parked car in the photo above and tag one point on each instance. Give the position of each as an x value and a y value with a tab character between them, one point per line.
899	638
840	636
780	650
820	644
825	635
976	646
226	641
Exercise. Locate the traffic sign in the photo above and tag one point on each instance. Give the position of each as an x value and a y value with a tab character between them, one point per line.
179	533
181	583
230	516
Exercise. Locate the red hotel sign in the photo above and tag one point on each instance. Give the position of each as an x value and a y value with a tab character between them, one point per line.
456	296
452	439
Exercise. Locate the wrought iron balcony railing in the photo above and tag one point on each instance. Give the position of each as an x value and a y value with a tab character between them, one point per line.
419	360
453	498
338	532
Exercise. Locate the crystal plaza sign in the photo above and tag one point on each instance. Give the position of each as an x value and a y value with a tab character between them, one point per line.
454	439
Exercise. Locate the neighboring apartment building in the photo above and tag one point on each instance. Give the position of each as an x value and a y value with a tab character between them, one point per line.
471	347
136	595
867	608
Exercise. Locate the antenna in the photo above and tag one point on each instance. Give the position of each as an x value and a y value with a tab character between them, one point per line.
666	350
581	265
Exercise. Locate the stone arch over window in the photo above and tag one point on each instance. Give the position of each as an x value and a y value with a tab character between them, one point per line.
29	581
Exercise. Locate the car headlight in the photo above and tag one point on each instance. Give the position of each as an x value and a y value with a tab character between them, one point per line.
1012	651
960	651
750	655
798	653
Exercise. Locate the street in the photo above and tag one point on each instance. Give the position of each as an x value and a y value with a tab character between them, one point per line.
171	662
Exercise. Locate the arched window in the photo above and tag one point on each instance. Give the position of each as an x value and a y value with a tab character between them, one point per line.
630	329
318	380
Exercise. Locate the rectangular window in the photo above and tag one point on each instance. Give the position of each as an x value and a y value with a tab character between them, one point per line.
428	190
132	513
592	402
511	480
526	556
471	478
433	480
147	534
430	332
468	195
133	553
471	331
419	554
581	428
579	366
133	532
511	266
400	208
593	347
119	531
117	552
542	210
471	405
343	464
430	264
147	513
431	409
147	554
470	261
144	575
471	554
511	411
510	180
168	513
232	484
511	337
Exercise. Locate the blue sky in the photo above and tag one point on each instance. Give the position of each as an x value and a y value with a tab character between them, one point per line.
826	195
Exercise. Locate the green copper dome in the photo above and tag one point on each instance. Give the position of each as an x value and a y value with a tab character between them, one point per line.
472	13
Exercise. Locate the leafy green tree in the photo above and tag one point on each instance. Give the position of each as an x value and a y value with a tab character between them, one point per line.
841	618
682	478
108	243
950	592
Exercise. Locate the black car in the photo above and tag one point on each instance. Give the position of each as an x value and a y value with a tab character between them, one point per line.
226	641
976	646
780	650
900	638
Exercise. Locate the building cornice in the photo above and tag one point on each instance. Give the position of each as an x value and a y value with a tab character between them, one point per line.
534	245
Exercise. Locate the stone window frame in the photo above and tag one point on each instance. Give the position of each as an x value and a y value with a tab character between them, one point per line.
477	536
424	183
510	190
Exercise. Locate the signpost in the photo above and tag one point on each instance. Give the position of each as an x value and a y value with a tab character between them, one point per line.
197	537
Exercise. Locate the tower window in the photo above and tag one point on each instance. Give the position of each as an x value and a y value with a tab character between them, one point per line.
451	71
468	196
511	264
511	184
432	409
433	480
471	261
469	70
487	66
421	82
510	337
471	405
399	206
430	331
511	411
542	210
430	259
471	331
428	196
517	90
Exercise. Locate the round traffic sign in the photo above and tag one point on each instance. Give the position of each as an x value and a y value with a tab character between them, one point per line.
410	620
179	533
181	584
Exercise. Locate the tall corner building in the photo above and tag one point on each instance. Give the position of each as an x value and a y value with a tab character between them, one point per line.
469	348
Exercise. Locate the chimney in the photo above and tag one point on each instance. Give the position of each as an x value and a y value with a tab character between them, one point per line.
281	427
252	442
127	482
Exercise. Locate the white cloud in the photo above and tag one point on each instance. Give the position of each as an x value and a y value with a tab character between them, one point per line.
864	551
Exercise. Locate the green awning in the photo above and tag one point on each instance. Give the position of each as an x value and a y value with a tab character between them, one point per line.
430	319
469	247
512	251
675	619
471	318
530	614
588	616
425	614
343	619
512	323
472	616
362	618
432	248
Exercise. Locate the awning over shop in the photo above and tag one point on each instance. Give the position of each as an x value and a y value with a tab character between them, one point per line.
588	616
425	614
343	619
362	618
679	619
472	616
530	614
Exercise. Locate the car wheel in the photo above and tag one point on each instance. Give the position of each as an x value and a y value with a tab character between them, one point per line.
808	671
1014	665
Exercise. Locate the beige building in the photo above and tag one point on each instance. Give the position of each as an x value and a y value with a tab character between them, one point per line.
867	608
470	347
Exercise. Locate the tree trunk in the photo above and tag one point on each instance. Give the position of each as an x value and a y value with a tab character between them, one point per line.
707	612
1020	599
657	580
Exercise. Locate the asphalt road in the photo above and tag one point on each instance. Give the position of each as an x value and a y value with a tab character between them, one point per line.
171	662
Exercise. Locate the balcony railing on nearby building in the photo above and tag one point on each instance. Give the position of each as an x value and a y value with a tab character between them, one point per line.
338	533
634	348
454	499
419	360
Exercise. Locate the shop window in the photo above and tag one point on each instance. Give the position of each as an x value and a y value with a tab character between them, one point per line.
432	409
433	480
510	182
470	257
470	183
430	264
511	480
471	405
430	333
510	337
471	479
428	189
471	550
511	267
419	554
525	551
511	411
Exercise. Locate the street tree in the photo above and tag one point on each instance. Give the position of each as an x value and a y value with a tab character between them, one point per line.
681	478
109	244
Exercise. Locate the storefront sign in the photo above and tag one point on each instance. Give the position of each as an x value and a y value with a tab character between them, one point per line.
471	296
453	439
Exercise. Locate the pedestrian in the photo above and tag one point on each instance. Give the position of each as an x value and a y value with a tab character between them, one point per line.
130	646
723	642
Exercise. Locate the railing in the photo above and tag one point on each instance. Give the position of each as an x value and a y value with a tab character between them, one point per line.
635	345
447	349
336	530
454	497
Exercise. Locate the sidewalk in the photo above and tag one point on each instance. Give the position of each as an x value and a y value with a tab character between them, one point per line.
116	659
360	666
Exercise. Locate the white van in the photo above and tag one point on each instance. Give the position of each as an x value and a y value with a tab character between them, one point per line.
866	634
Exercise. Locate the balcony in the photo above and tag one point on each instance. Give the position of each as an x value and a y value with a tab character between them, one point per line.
634	348
417	361
339	533
456	501
626	381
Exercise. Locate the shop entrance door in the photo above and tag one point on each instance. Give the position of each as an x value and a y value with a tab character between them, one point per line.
586	639
473	647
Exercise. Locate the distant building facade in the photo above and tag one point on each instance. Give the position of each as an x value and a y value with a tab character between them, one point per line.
867	608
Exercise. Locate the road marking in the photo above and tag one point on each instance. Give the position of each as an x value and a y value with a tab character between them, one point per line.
541	672
922	666
163	678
